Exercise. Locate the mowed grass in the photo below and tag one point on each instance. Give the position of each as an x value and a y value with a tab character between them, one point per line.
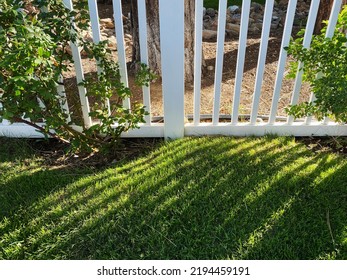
194	198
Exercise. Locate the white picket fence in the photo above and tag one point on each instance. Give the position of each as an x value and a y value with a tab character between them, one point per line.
172	54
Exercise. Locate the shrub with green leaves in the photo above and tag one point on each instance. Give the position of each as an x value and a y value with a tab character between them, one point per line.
34	38
325	68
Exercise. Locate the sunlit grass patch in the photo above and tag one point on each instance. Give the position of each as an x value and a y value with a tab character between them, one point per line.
193	198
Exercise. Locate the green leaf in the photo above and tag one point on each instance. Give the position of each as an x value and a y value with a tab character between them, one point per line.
40	51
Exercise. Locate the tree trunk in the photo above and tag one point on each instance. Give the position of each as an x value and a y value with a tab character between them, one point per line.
153	30
324	13
189	28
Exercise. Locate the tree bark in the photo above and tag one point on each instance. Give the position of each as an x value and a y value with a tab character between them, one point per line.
153	30
324	13
189	33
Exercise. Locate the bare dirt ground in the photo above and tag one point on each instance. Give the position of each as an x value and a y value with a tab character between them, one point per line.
207	89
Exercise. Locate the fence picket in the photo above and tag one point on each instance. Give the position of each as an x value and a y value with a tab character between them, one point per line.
261	59
197	59
306	43
94	19
118	21
80	76
282	59
219	59
141	5
246	4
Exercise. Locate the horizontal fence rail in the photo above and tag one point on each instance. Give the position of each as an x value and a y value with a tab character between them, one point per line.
175	121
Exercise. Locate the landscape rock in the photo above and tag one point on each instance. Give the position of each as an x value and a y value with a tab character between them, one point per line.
112	43
206	18
213	24
209	34
234	9
255	16
87	35
259	25
233	18
233	28
275	22
236	18
107	23
210	12
283	3
229	18
108	32
253	29
257	8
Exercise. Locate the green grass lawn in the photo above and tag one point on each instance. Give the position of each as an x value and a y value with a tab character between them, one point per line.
200	198
214	3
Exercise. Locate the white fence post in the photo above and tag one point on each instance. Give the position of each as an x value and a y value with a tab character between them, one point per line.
171	15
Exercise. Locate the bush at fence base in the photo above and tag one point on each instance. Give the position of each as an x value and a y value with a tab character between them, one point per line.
33	38
325	68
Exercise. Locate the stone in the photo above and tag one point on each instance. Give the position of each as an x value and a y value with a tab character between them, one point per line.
257	8
253	29
275	21
234	9
87	35
254	15
233	28
229	18
206	18
128	37
107	23
236	18
108	32
209	34
302	9
251	21
68	50
112	43
259	25
210	12
204	11
283	3
210	68
213	24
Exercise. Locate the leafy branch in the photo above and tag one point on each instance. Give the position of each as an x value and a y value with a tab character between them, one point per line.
325	69
34	37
